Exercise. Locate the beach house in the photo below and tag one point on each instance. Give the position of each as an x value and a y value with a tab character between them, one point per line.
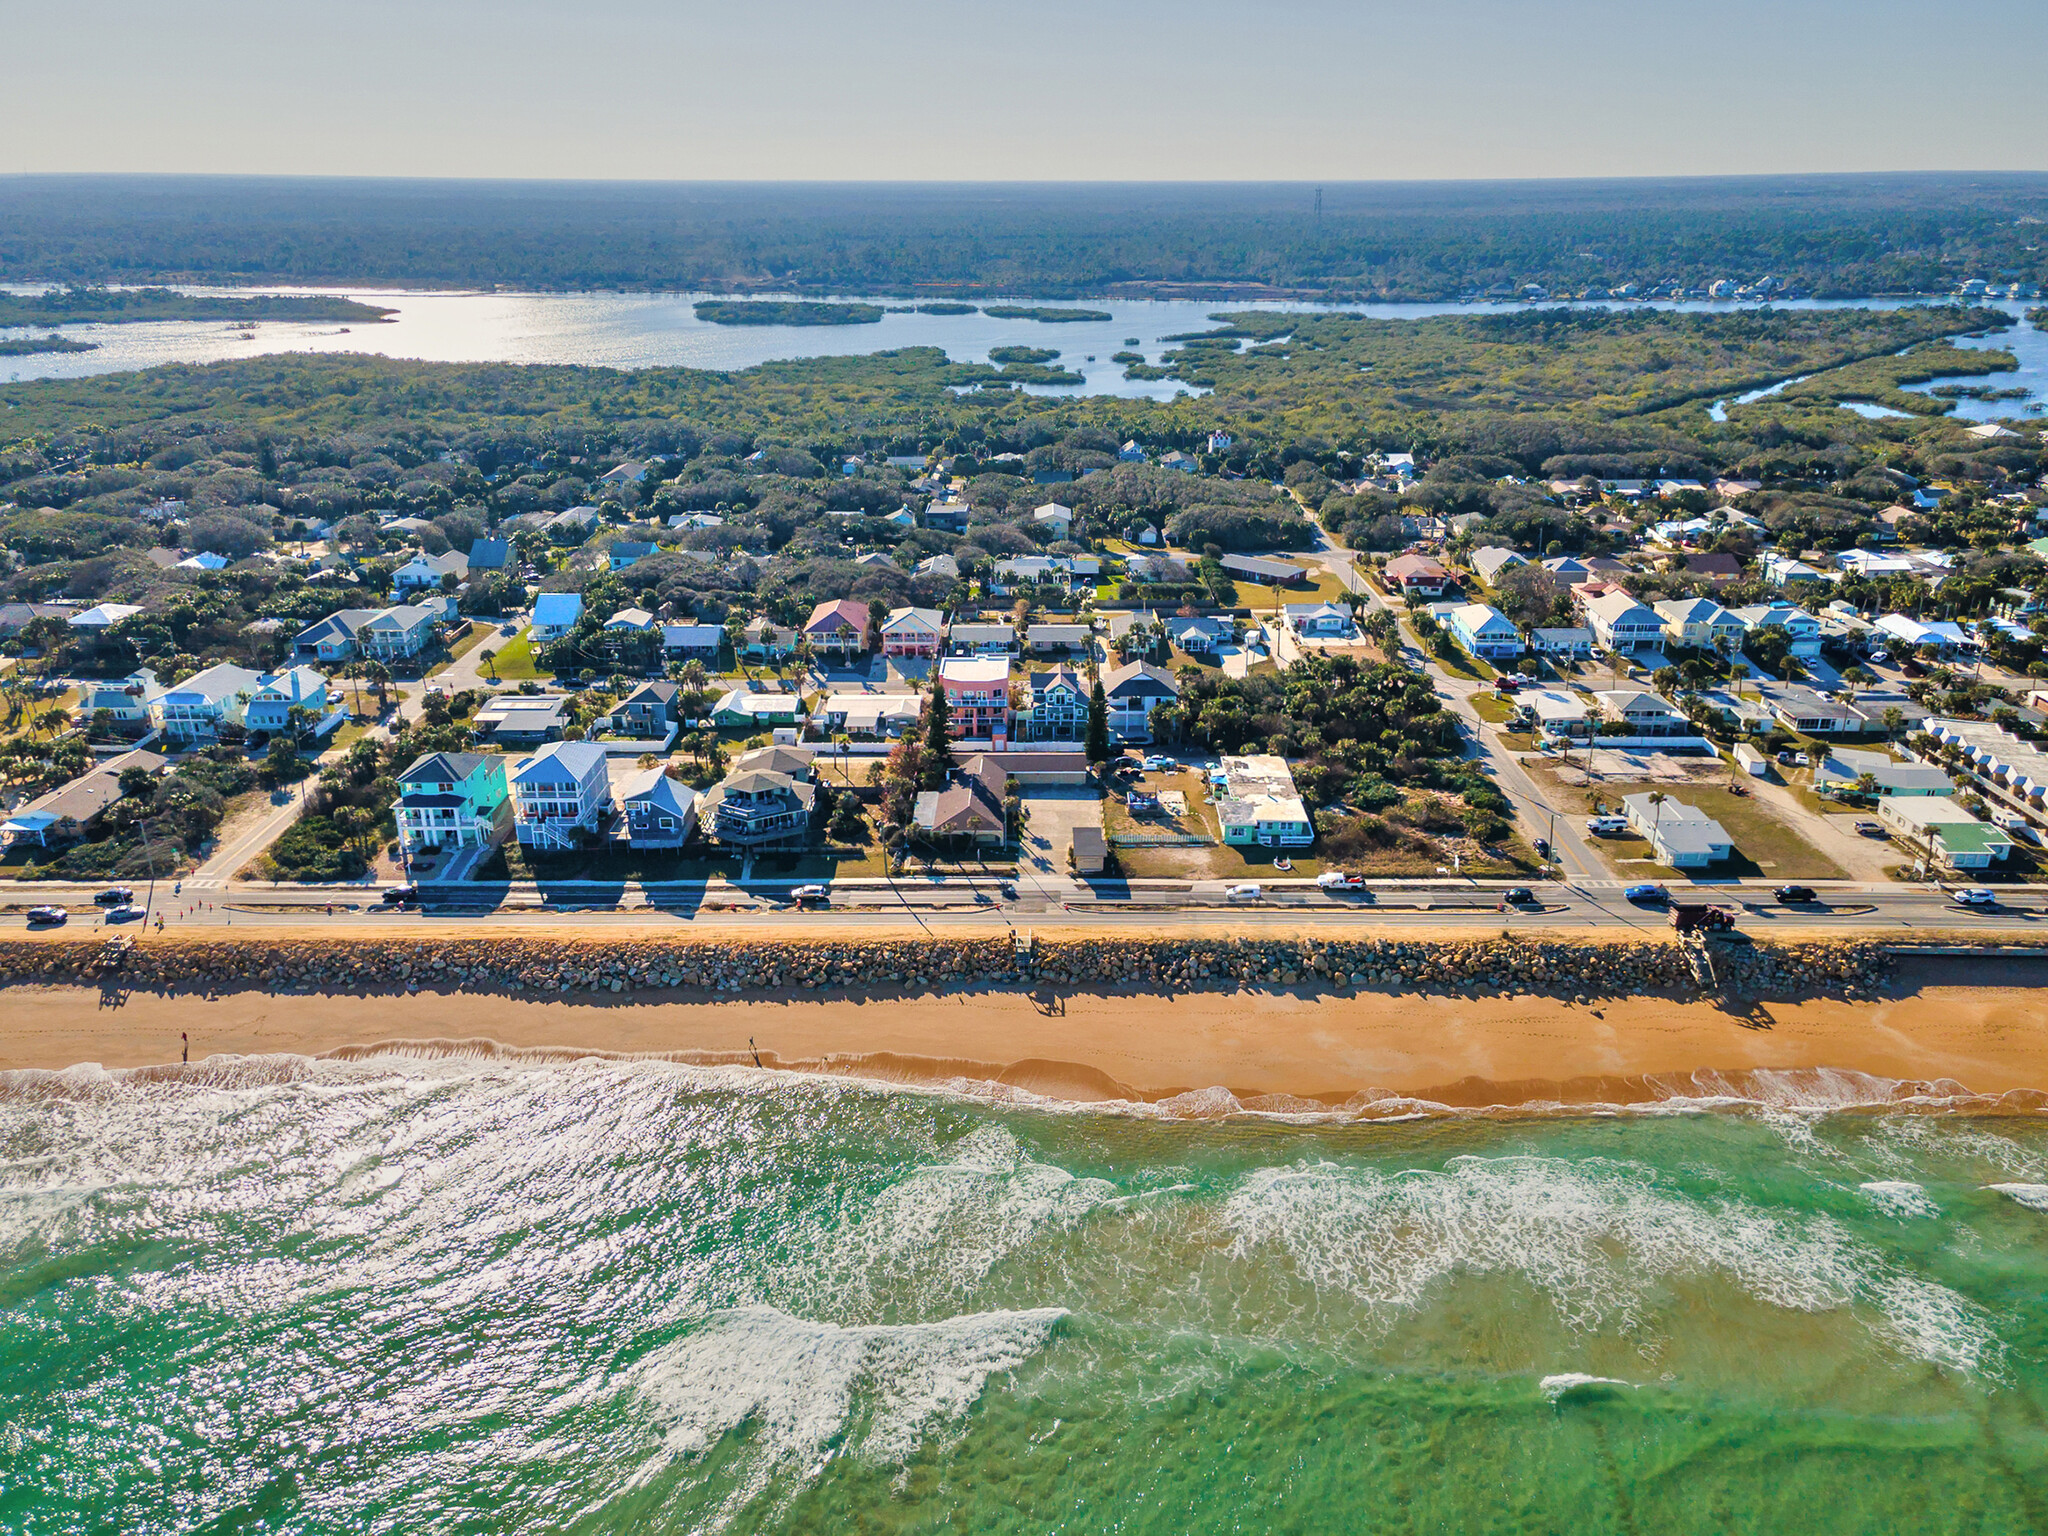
63	814
1133	691
977	697
1700	624
1483	630
1620	623
554	615
452	800
1260	805
1059	706
914	632
766	801
1419	575
658	812
270	706
562	796
430	573
192	713
838	628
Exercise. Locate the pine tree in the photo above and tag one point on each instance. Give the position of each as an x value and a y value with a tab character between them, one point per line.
938	739
1098	724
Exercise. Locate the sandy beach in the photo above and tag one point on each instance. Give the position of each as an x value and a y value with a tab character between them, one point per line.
1468	1051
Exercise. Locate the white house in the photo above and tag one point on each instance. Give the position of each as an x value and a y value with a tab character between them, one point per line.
982	640
1483	630
1620	623
1569	642
1957	839
1319	621
1133	692
1700	623
561	795
1058	518
1908	631
1680	835
1646	715
395	634
423	572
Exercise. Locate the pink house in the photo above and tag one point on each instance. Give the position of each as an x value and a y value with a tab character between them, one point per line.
977	697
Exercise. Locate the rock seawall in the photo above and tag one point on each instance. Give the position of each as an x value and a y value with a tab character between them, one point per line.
555	967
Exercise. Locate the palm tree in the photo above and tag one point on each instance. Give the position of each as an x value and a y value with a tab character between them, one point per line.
1656	816
694	676
488	656
378	676
53	720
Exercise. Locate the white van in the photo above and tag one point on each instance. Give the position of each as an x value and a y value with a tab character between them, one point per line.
2013	822
1607	826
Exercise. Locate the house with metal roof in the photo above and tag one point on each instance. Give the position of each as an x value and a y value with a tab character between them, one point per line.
561	796
1680	835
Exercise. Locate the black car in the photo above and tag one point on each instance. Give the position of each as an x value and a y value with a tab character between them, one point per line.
1521	896
1795	893
114	896
401	895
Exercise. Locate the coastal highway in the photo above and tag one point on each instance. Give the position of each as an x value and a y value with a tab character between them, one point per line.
910	908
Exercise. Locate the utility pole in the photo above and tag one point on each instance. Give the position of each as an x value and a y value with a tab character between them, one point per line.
1319	205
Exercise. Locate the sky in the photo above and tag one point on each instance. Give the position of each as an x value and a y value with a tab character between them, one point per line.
972	90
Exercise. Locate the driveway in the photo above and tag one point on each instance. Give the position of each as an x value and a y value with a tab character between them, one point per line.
1055	810
244	836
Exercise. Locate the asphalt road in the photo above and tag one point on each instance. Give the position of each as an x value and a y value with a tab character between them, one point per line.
907	907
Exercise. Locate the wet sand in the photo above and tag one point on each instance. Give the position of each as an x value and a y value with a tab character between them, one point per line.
1090	1047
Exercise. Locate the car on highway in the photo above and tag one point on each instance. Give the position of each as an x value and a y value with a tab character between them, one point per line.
1249	891
1519	896
41	915
114	896
129	913
401	895
1337	880
1795	893
1973	896
1156	763
1654	895
804	893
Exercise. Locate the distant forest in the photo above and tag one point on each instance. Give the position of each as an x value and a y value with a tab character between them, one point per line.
1839	236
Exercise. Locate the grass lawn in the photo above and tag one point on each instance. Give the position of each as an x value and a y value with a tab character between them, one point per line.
515	660
1458	664
1321	587
346	735
1492	708
1517	741
1764	846
478	630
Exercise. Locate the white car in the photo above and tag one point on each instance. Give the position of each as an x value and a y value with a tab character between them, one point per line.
809	893
1975	896
1156	763
1337	880
1607	826
1249	891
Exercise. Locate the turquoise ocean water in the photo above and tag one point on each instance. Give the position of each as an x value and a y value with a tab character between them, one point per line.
477	1296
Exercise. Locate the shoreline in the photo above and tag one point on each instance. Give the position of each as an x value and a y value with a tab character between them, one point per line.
1187	1054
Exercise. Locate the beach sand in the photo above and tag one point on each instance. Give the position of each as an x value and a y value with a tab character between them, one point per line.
1095	1046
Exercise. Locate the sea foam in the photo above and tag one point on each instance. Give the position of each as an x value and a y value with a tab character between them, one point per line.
2033	1196
802	1391
1593	1235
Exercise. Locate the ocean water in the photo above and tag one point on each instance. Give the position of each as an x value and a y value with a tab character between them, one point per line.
418	1296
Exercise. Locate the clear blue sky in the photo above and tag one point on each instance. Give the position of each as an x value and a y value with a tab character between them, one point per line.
1030	89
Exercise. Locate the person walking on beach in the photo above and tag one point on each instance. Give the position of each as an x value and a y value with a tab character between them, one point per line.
185	1041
